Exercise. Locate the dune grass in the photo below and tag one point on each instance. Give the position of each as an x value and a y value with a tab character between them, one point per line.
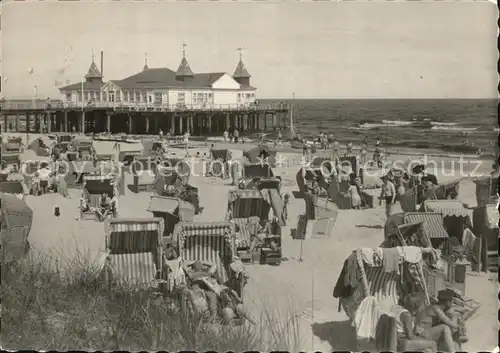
46	307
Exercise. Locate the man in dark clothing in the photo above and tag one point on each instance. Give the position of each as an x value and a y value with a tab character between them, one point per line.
263	154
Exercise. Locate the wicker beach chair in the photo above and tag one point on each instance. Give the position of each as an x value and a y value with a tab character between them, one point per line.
93	187
211	242
135	259
16	219
172	210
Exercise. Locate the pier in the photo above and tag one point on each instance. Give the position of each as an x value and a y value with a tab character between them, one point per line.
37	116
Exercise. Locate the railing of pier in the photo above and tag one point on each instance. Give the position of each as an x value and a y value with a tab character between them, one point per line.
40	105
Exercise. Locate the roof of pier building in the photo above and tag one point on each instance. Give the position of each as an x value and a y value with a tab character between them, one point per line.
163	77
156	78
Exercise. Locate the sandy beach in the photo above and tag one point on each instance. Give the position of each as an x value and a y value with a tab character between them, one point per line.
302	285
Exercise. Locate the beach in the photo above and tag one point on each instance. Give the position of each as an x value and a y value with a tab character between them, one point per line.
302	285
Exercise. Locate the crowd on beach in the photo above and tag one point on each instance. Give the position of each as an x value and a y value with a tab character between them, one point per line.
418	325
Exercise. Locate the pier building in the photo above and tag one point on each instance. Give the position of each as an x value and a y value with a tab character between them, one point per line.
150	100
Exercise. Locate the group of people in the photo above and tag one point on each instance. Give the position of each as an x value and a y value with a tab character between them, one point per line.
328	141
105	207
49	177
231	137
420	327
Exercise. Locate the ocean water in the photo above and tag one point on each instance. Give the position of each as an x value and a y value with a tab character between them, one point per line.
441	124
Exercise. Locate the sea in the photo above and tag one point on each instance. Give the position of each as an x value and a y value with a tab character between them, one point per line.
439	124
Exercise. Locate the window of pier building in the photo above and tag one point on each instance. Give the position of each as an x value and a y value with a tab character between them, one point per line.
118	96
181	97
201	98
125	96
138	97
97	96
111	96
158	98
132	96
104	96
80	97
68	96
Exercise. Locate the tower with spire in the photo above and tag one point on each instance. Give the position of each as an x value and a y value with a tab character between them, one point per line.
146	67
241	74
93	75
184	72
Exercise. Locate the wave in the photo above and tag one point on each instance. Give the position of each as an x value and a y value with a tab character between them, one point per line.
454	128
397	122
371	125
438	123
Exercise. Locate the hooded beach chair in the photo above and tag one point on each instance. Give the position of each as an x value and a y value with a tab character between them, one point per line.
212	242
172	210
16	220
93	187
486	190
242	205
135	255
383	286
144	173
485	220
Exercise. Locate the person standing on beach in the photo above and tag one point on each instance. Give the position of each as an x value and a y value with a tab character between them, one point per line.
389	194
364	151
226	135
161	134
187	135
349	147
335	147
330	140
236	135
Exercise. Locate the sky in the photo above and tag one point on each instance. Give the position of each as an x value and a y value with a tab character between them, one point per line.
315	50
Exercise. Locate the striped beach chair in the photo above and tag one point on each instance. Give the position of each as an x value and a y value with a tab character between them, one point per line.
135	259
383	286
210	242
243	204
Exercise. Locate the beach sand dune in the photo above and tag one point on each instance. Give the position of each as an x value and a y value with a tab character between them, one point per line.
295	288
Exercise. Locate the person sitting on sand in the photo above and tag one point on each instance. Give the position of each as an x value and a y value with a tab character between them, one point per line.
438	323
445	320
104	208
408	338
203	284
